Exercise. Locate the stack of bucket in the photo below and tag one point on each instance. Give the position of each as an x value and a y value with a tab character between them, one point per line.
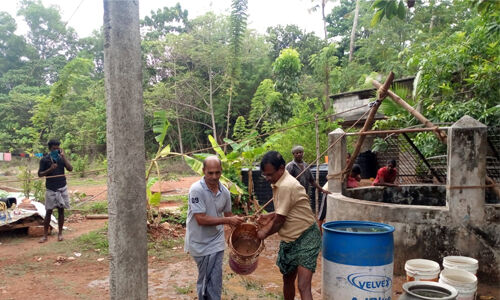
459	272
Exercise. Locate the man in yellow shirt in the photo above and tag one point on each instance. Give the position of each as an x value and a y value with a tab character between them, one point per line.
296	225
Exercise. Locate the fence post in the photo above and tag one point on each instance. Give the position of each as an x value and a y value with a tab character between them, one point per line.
466	167
336	160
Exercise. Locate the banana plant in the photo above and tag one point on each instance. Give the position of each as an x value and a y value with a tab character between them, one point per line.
243	155
196	164
388	9
160	127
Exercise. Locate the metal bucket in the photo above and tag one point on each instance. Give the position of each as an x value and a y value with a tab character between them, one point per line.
245	248
427	290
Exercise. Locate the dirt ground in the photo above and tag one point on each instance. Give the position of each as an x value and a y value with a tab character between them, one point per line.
43	271
171	187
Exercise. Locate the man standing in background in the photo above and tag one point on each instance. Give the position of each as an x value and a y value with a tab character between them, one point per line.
297	165
56	195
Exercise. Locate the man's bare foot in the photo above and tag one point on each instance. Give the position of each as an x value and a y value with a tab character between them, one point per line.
43	239
60	237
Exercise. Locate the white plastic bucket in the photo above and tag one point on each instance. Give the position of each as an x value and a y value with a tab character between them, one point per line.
462	263
422	270
463	281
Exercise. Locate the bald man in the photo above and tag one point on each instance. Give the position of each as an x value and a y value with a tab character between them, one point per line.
209	208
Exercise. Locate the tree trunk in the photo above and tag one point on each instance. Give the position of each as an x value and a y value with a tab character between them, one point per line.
327	87
212	115
229	113
127	236
433	17
323	4
179	131
353	31
327	67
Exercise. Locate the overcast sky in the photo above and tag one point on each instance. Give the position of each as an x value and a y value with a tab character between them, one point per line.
86	15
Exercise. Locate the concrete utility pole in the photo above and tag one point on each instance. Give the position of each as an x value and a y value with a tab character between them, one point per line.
125	151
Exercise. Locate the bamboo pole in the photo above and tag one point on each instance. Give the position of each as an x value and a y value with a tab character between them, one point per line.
382	93
316	193
440	134
305	169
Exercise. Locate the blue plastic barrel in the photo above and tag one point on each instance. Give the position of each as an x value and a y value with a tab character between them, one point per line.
357	260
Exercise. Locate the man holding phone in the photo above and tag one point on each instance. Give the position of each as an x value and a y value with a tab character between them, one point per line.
52	165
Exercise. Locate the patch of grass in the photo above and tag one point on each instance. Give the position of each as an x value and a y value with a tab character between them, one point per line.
9	177
173	218
173	198
173	177
270	295
176	167
94	207
86	181
183	290
176	218
97	239
162	250
18	269
251	285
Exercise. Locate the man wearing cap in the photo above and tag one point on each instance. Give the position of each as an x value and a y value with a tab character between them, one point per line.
297	165
295	224
209	208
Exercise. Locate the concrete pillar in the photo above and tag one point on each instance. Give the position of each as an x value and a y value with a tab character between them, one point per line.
336	160
125	151
466	167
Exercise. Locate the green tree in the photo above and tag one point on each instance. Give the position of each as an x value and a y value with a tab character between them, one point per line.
164	21
237	28
92	47
291	36
322	64
13	54
194	73
48	35
304	134
64	98
459	76
16	131
388	9
12	46
286	71
268	104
